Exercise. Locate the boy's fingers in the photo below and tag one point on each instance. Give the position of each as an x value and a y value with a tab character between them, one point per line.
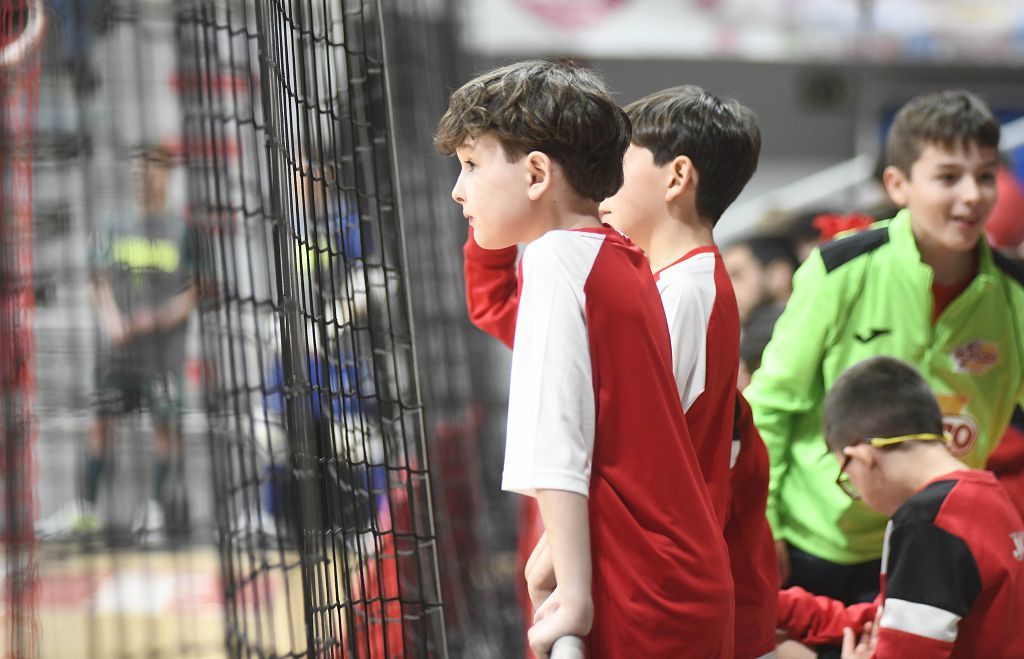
865	636
877	627
849	638
539	640
546	608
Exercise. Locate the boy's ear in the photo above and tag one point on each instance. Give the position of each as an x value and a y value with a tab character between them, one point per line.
863	453
683	176
896	183
539	169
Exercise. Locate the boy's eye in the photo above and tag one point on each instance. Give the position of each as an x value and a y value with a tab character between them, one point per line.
988	178
949	179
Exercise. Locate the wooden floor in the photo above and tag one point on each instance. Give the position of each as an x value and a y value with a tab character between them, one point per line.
132	603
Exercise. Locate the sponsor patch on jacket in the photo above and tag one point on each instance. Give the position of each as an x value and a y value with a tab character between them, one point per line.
975	357
961	428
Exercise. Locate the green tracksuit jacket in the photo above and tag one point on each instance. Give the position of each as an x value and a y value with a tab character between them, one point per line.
865	295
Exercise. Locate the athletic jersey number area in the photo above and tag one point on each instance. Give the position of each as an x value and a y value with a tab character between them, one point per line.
593	409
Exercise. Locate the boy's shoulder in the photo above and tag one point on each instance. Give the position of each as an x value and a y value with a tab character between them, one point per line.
557	240
950	495
572	250
698	263
845	249
692	278
924	505
1009	267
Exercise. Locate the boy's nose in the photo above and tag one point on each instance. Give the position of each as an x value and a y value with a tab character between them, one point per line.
457	193
970	190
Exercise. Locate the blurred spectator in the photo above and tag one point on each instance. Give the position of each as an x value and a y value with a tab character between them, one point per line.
761	269
1007	461
830	225
821	225
75	19
757	332
804	234
142	290
1005	231
1005	228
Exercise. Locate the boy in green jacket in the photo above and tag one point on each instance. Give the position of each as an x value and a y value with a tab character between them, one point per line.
924	287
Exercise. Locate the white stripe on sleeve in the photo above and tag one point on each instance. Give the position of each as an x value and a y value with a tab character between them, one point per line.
920	619
551	411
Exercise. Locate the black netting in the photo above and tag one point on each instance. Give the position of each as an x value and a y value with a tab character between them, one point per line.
477	566
317	429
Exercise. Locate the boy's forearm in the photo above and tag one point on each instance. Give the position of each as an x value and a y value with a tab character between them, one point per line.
492	289
567	524
814	619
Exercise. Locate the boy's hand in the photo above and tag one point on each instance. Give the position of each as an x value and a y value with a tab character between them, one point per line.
555	619
540	573
865	648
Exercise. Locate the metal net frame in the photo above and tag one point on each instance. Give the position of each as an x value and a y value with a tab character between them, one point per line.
317	430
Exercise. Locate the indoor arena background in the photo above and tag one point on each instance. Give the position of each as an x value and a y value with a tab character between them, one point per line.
335	491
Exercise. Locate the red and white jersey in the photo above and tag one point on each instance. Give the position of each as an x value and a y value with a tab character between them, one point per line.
593	409
952	581
704	326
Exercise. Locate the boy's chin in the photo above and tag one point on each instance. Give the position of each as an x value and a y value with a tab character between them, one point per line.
963	243
490	242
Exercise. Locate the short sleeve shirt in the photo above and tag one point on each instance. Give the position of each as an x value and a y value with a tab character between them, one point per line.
593	409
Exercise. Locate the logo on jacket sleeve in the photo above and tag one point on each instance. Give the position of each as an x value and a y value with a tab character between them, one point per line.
975	357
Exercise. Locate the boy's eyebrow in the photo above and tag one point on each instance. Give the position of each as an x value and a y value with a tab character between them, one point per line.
956	164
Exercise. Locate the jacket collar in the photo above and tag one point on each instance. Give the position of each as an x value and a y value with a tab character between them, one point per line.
901	235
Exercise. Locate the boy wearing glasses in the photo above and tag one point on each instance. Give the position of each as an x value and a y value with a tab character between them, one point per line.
924	287
952	573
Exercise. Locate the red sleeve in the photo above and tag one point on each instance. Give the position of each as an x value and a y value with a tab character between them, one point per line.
755	570
896	644
816	620
492	289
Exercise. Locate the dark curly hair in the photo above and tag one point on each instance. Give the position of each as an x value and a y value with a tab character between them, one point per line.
555	107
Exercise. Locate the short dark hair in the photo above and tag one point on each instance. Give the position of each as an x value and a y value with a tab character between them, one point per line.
555	107
879	397
768	248
948	118
719	135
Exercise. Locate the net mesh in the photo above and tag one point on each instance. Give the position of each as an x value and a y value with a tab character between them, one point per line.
316	420
20	30
465	429
299	504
